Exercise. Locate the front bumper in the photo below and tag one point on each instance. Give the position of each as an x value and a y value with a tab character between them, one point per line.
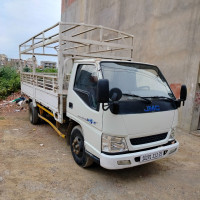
111	161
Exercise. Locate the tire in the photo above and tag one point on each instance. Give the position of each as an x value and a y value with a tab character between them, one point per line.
78	148
33	114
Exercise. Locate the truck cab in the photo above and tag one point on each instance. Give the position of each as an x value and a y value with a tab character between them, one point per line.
136	122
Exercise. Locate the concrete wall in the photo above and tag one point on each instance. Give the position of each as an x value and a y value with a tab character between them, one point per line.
167	34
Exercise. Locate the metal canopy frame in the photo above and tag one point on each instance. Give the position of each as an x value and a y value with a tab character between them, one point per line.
74	39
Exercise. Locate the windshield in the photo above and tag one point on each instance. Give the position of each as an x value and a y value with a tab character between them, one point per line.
136	79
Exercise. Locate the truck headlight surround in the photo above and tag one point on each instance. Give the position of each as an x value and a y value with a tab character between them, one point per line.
113	144
172	134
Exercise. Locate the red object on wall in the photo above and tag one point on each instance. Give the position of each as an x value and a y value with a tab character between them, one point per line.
197	99
69	2
66	4
63	6
176	88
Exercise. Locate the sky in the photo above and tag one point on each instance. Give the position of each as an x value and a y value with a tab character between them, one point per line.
22	19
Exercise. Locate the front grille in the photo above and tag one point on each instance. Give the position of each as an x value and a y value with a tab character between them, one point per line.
148	139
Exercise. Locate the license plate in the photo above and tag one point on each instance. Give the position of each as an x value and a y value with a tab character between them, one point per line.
151	156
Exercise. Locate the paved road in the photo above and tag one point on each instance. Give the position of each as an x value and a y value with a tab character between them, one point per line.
35	163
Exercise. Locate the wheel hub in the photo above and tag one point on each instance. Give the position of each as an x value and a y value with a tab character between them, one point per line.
77	146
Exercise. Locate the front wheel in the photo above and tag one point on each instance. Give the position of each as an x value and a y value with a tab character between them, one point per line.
78	148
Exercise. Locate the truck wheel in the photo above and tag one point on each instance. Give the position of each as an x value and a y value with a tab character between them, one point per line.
78	148
33	114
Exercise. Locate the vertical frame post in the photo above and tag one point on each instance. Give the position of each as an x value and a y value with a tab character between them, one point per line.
60	74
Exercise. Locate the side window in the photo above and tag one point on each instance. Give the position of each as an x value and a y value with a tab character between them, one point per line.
85	85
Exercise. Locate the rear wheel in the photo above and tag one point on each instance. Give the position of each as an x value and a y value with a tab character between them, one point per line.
33	114
78	148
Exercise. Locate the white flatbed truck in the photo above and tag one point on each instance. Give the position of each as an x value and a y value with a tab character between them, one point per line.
116	112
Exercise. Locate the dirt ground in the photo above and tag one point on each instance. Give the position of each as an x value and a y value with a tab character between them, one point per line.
35	163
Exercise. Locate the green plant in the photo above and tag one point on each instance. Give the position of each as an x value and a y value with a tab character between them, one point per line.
26	69
46	70
9	81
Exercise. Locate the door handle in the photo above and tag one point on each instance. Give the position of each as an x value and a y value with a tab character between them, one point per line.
70	105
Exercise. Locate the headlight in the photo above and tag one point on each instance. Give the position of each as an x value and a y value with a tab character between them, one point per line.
172	134
112	144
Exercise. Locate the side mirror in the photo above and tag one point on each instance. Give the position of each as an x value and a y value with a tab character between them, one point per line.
183	93
115	94
103	91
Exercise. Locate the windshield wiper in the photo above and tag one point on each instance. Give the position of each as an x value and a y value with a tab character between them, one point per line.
162	97
144	98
